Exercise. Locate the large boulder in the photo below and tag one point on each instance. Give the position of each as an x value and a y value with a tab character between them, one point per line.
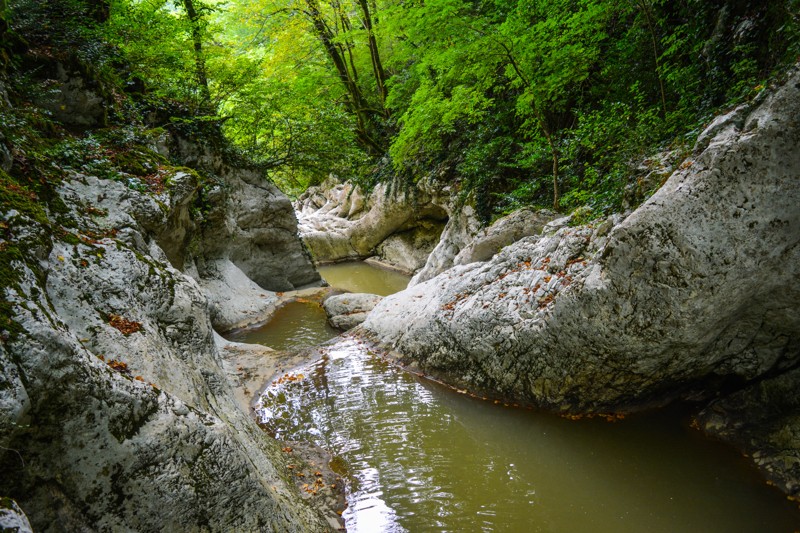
458	233
116	411
464	241
245	220
693	291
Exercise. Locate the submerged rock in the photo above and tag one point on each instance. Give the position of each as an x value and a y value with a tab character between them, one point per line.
694	291
345	311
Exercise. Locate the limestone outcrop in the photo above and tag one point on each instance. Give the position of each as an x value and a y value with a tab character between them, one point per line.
346	311
337	221
464	241
695	290
422	232
116	412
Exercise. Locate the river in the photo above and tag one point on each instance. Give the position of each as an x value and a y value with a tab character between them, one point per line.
422	457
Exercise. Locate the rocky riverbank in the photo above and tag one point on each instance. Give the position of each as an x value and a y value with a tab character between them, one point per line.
691	296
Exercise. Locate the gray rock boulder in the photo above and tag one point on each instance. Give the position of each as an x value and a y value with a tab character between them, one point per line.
337	221
696	288
507	230
244	219
346	311
134	426
408	251
461	228
72	100
464	241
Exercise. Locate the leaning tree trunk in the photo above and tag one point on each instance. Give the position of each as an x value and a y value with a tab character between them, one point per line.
357	104
377	65
554	152
201	74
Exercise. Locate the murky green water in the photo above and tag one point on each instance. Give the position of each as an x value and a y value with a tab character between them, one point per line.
300	324
425	458
294	326
363	277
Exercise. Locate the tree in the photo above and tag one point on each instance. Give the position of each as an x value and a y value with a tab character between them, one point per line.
194	9
368	115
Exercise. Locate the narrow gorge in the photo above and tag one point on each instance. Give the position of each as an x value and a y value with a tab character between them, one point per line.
387	267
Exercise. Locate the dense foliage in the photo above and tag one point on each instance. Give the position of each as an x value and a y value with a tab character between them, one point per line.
546	102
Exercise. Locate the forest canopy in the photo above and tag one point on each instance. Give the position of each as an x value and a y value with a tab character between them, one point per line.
515	102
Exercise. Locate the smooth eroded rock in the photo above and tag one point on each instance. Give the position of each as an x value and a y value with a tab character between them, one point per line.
346	311
338	221
693	289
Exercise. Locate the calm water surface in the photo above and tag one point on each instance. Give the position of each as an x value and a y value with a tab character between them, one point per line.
363	277
300	324
294	326
423	458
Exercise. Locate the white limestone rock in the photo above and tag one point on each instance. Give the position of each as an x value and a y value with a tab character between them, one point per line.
116	410
12	518
337	221
346	311
697	286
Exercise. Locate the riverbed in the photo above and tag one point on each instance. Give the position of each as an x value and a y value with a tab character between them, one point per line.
422	457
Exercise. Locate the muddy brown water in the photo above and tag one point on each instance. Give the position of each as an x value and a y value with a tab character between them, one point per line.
421	457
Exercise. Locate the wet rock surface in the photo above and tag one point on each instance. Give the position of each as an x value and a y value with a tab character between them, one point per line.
763	420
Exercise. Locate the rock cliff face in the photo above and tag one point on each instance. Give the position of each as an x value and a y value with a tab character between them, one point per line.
115	411
693	293
422	234
338	221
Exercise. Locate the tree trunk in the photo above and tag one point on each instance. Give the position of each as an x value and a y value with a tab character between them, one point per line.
348	45
199	59
356	102
554	153
377	65
648	15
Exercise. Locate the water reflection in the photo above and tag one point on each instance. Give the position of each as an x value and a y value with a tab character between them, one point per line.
358	276
423	458
294	326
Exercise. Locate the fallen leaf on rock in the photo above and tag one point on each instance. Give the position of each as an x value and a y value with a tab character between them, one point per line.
126	327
